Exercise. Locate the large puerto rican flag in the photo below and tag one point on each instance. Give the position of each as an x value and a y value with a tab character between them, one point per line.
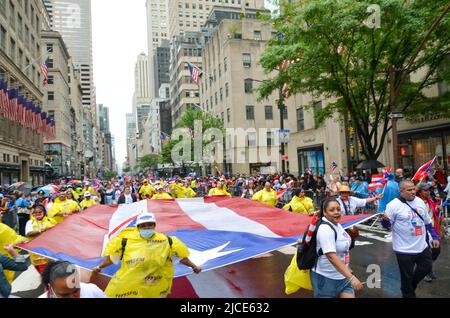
218	231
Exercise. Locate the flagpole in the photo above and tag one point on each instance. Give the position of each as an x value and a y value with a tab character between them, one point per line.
207	74
32	62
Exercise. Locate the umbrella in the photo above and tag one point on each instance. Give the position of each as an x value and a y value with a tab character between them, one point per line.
369	164
74	181
20	186
48	189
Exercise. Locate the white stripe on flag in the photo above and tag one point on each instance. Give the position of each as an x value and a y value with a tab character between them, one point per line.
221	219
122	214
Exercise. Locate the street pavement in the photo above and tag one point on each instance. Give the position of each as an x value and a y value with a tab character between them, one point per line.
263	276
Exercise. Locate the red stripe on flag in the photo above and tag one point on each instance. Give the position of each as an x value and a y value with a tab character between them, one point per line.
92	225
279	221
170	216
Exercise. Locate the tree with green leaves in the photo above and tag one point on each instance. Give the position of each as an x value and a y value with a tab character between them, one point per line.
187	120
369	57
149	161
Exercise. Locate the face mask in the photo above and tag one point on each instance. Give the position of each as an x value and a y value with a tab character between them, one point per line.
147	233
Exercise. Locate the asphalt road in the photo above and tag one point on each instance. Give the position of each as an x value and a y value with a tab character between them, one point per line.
263	277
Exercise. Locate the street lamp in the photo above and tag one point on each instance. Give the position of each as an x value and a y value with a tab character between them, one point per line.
281	107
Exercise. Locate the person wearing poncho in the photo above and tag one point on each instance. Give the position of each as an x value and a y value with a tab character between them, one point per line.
147	268
300	203
7	237
38	224
267	195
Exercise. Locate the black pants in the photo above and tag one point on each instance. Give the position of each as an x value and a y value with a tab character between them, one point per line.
413	268
23	219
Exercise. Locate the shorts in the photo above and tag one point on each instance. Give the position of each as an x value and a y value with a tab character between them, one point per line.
324	287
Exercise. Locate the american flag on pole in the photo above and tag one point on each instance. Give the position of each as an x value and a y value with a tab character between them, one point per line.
44	70
333	166
195	73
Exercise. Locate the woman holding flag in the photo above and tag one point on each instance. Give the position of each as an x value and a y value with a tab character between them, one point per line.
349	204
147	268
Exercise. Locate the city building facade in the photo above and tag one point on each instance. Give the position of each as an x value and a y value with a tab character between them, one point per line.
21	149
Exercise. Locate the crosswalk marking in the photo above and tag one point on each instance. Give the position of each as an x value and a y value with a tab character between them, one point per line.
28	280
387	237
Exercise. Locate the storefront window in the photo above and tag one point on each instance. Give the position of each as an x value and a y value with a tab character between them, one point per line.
417	148
312	158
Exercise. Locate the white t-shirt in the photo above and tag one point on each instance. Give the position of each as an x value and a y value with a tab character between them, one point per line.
341	246
29	227
86	291
351	205
408	230
128	199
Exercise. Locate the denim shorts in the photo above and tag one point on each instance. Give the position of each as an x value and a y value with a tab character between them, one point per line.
324	287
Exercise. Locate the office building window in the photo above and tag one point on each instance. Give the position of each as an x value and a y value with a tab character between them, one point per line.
251	139
269	139
50	48
268	111
317	108
228	115
51	79
300	120
248	86
250	112
51	95
226	89
246	60
257	35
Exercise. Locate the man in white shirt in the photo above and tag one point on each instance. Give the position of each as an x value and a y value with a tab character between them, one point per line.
411	224
61	279
349	204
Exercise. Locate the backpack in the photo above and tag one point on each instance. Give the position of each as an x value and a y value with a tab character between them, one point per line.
307	255
124	244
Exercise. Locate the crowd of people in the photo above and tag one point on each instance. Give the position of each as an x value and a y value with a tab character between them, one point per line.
26	216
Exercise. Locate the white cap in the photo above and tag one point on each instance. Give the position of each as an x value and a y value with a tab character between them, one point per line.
158	186
87	194
145	218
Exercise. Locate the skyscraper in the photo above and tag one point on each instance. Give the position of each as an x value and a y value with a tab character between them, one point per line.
141	80
191	15
72	18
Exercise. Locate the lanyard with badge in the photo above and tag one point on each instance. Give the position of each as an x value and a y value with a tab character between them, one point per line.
346	208
417	221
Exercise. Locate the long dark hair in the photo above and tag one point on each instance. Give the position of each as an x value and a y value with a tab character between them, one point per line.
324	205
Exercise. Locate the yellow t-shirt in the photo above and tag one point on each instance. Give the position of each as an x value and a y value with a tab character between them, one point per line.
216	192
266	197
9	236
147	269
67	207
87	203
307	203
146	189
296	206
158	196
186	193
40	226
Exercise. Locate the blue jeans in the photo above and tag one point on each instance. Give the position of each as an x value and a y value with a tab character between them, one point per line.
324	287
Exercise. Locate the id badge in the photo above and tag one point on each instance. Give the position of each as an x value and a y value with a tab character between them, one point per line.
419	231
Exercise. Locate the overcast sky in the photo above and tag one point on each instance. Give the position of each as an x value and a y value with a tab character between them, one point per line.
119	30
119	35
